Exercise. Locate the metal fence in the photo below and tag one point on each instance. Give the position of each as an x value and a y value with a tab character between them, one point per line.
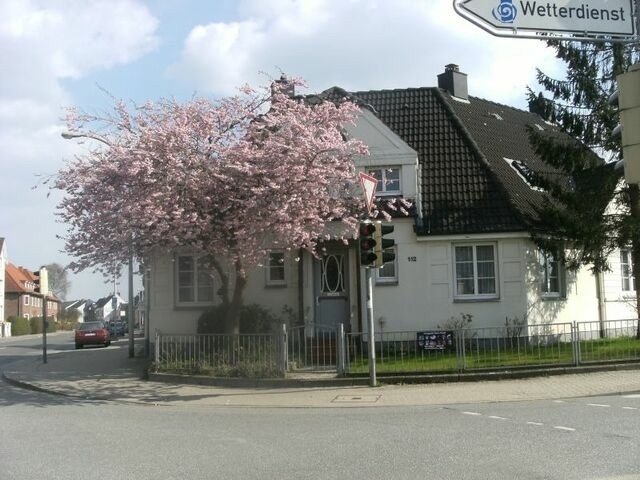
492	348
259	355
311	347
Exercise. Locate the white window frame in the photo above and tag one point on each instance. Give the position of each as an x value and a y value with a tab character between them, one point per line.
381	190
195	287
26	316
270	268
26	300
388	279
628	279
475	295
545	263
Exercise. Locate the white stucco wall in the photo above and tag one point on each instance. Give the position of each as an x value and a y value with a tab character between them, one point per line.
619	304
167	317
424	295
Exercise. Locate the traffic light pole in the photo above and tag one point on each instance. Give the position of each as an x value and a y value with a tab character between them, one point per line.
370	329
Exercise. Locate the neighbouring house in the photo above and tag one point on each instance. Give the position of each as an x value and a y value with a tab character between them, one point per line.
21	297
78	309
5	328
108	309
465	249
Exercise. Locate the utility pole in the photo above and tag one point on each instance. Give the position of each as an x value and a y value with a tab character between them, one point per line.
130	308
42	286
45	312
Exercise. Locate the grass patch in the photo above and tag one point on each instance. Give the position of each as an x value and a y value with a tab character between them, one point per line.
498	355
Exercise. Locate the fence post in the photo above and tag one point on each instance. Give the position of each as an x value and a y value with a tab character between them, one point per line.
340	352
284	357
157	350
460	349
575	342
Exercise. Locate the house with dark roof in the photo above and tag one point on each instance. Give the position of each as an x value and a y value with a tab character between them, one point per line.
465	249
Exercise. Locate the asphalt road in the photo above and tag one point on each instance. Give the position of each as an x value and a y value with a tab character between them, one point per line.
50	437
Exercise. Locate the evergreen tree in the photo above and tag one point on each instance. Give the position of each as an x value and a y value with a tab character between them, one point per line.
586	180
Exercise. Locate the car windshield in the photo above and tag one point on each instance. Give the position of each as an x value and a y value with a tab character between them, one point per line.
91	326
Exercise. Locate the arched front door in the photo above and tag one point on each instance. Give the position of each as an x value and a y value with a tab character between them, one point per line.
332	288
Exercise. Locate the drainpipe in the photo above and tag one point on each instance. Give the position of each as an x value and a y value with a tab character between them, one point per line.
602	311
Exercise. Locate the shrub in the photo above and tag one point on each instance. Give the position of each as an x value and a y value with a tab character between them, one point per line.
35	325
457	323
253	319
19	326
67	324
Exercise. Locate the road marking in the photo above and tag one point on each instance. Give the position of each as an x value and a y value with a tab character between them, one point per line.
537	424
559	401
471	413
598	405
629	408
568	429
495	417
633	395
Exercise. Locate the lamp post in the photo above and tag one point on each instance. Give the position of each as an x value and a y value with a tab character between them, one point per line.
70	136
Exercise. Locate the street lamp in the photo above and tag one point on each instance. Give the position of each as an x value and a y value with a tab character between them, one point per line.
70	136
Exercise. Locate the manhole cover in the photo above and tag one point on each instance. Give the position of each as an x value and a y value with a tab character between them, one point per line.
356	398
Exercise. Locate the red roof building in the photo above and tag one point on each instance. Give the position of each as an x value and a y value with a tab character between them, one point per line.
21	298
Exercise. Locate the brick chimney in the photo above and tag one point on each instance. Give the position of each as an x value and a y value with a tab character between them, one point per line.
454	81
286	86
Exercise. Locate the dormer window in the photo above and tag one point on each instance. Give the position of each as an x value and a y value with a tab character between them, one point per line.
524	172
388	180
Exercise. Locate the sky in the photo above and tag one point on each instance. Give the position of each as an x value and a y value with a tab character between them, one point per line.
55	54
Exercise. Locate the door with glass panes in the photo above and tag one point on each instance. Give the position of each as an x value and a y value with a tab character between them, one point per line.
331	288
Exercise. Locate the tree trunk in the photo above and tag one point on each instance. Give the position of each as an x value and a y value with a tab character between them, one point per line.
634	200
234	307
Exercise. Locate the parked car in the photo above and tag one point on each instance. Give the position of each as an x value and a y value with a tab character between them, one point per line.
117	329
92	333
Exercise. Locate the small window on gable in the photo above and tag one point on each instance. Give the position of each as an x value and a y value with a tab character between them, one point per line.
275	269
388	180
524	172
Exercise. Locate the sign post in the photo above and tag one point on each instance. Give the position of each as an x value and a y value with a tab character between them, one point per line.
369	184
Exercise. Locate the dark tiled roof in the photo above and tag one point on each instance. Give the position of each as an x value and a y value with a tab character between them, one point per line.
466	185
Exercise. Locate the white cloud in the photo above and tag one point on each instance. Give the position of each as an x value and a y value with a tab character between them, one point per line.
359	45
43	43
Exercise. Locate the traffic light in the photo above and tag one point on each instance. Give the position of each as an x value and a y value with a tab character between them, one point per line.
367	231
383	246
627	99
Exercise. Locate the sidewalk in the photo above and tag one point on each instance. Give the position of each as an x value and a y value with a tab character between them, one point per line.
109	375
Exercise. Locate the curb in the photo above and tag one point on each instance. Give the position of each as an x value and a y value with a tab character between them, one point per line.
387	380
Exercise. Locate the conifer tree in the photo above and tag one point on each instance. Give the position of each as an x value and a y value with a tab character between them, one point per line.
590	209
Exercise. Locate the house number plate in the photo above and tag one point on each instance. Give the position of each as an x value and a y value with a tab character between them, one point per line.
412	259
